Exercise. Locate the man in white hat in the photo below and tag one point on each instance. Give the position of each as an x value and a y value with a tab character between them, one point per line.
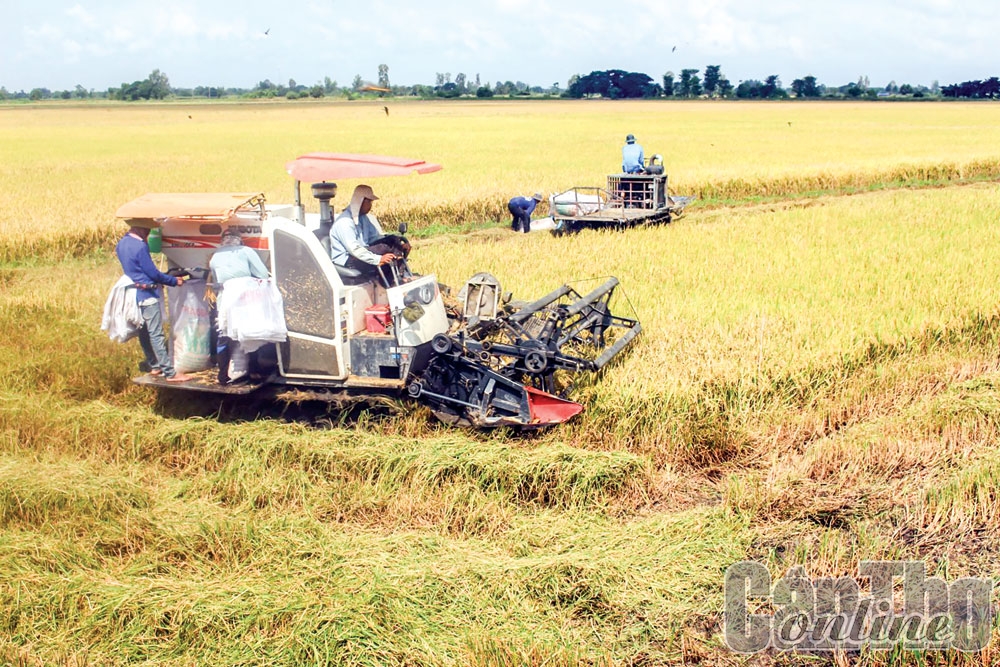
354	231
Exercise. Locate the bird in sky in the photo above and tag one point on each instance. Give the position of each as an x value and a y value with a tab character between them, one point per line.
386	110
673	49
267	32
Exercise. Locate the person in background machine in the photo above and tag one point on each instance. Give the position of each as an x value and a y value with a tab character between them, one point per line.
133	253
632	156
520	208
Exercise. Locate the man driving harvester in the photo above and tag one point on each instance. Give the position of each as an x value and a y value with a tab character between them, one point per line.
356	238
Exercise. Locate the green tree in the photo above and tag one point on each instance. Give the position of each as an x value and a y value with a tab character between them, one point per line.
329	86
357	83
690	84
668	84
859	88
159	85
805	87
460	82
383	76
712	75
772	88
725	88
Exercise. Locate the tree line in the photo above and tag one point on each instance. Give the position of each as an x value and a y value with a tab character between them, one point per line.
690	83
714	84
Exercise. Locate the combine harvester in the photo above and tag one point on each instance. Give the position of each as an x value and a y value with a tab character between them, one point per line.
627	201
483	362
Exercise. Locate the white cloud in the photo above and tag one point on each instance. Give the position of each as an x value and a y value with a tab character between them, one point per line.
81	15
531	40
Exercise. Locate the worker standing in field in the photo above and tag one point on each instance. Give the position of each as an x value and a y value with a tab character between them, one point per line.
232	260
520	208
133	253
632	156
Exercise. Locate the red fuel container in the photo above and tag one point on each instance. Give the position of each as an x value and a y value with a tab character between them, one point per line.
377	318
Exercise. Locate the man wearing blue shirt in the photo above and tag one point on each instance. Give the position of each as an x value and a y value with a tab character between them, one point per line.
354	231
520	208
137	264
632	156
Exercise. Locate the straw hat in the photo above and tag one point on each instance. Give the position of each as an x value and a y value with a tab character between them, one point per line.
142	223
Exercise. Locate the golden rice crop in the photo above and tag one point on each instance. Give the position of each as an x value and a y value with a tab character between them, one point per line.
66	169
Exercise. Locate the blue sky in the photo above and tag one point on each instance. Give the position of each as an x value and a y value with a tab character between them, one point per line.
102	43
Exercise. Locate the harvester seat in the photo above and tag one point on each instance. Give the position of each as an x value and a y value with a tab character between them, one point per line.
347	276
351	276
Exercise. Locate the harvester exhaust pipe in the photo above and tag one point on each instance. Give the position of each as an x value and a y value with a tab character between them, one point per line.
324	192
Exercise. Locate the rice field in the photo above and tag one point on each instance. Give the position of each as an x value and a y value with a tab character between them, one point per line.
816	384
66	169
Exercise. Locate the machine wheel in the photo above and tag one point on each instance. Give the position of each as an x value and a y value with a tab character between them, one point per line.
441	344
415	389
535	361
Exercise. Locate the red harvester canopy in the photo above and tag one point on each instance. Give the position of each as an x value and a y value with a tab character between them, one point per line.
317	167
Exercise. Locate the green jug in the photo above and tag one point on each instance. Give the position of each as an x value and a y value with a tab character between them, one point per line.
155	240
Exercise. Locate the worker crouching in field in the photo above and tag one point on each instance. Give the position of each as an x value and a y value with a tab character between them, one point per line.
521	208
232	260
133	253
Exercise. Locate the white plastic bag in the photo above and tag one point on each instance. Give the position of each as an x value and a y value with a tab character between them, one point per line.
122	319
575	203
547	223
252	312
239	363
190	327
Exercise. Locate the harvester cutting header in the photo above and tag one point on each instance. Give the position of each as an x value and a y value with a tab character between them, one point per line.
481	360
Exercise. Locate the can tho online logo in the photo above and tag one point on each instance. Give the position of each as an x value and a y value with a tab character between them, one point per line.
902	608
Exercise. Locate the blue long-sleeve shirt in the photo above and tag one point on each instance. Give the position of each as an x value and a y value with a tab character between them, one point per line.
137	264
348	238
632	158
524	204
